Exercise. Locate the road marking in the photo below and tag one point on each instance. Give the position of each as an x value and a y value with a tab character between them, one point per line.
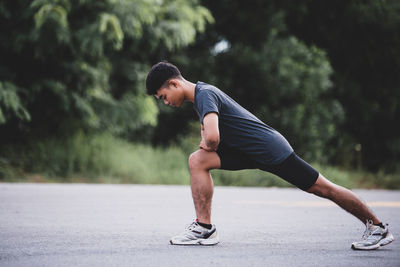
384	204
391	204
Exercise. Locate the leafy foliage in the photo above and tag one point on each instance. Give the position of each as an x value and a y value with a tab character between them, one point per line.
10	103
362	40
325	74
59	57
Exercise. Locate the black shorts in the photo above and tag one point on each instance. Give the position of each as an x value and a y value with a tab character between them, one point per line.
293	169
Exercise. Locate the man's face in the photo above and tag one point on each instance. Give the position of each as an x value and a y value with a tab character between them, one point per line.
171	94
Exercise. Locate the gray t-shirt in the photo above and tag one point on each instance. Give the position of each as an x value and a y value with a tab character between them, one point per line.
240	129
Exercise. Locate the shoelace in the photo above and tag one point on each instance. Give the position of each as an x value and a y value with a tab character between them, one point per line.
191	226
189	229
369	230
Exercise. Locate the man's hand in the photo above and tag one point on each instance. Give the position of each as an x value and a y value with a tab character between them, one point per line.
210	132
205	147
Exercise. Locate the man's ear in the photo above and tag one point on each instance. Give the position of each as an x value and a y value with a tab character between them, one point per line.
173	82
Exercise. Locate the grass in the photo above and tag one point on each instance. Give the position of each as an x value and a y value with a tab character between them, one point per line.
94	159
106	159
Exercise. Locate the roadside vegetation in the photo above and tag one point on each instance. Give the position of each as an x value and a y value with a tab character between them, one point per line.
73	106
107	159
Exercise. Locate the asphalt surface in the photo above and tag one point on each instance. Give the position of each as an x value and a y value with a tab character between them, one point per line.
130	225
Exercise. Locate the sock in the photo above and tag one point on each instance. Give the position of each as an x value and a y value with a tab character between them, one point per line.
380	225
208	226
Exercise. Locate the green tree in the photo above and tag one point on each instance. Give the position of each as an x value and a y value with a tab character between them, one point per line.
362	40
75	64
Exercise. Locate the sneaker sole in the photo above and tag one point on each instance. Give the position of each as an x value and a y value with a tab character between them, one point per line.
210	241
387	240
194	243
203	242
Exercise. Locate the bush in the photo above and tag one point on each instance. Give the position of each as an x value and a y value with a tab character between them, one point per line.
106	159
98	158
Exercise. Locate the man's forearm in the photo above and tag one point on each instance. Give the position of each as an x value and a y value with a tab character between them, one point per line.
212	143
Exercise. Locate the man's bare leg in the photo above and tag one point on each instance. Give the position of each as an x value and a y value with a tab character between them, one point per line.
343	197
200	164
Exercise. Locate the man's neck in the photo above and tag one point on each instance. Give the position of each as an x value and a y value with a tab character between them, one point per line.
189	89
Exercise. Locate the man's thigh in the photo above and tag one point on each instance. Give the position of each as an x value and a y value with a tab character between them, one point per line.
295	171
233	159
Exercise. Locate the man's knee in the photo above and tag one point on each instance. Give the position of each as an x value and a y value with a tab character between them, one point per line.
196	160
204	160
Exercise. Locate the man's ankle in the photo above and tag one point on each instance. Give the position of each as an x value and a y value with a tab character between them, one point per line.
205	225
380	225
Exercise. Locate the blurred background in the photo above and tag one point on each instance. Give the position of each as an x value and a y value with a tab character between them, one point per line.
326	74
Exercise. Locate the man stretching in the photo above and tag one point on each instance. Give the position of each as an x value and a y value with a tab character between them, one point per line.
232	138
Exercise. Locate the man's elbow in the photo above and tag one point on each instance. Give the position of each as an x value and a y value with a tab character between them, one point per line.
213	142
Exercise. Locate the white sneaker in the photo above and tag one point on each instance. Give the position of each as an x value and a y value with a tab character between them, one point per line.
373	237
196	234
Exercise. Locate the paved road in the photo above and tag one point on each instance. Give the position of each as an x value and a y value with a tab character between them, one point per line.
130	225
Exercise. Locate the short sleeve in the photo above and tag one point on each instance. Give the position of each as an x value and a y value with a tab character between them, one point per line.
207	102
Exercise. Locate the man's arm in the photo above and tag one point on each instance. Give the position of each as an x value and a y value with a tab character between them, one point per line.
210	132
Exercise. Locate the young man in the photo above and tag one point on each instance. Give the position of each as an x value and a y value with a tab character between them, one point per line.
233	139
